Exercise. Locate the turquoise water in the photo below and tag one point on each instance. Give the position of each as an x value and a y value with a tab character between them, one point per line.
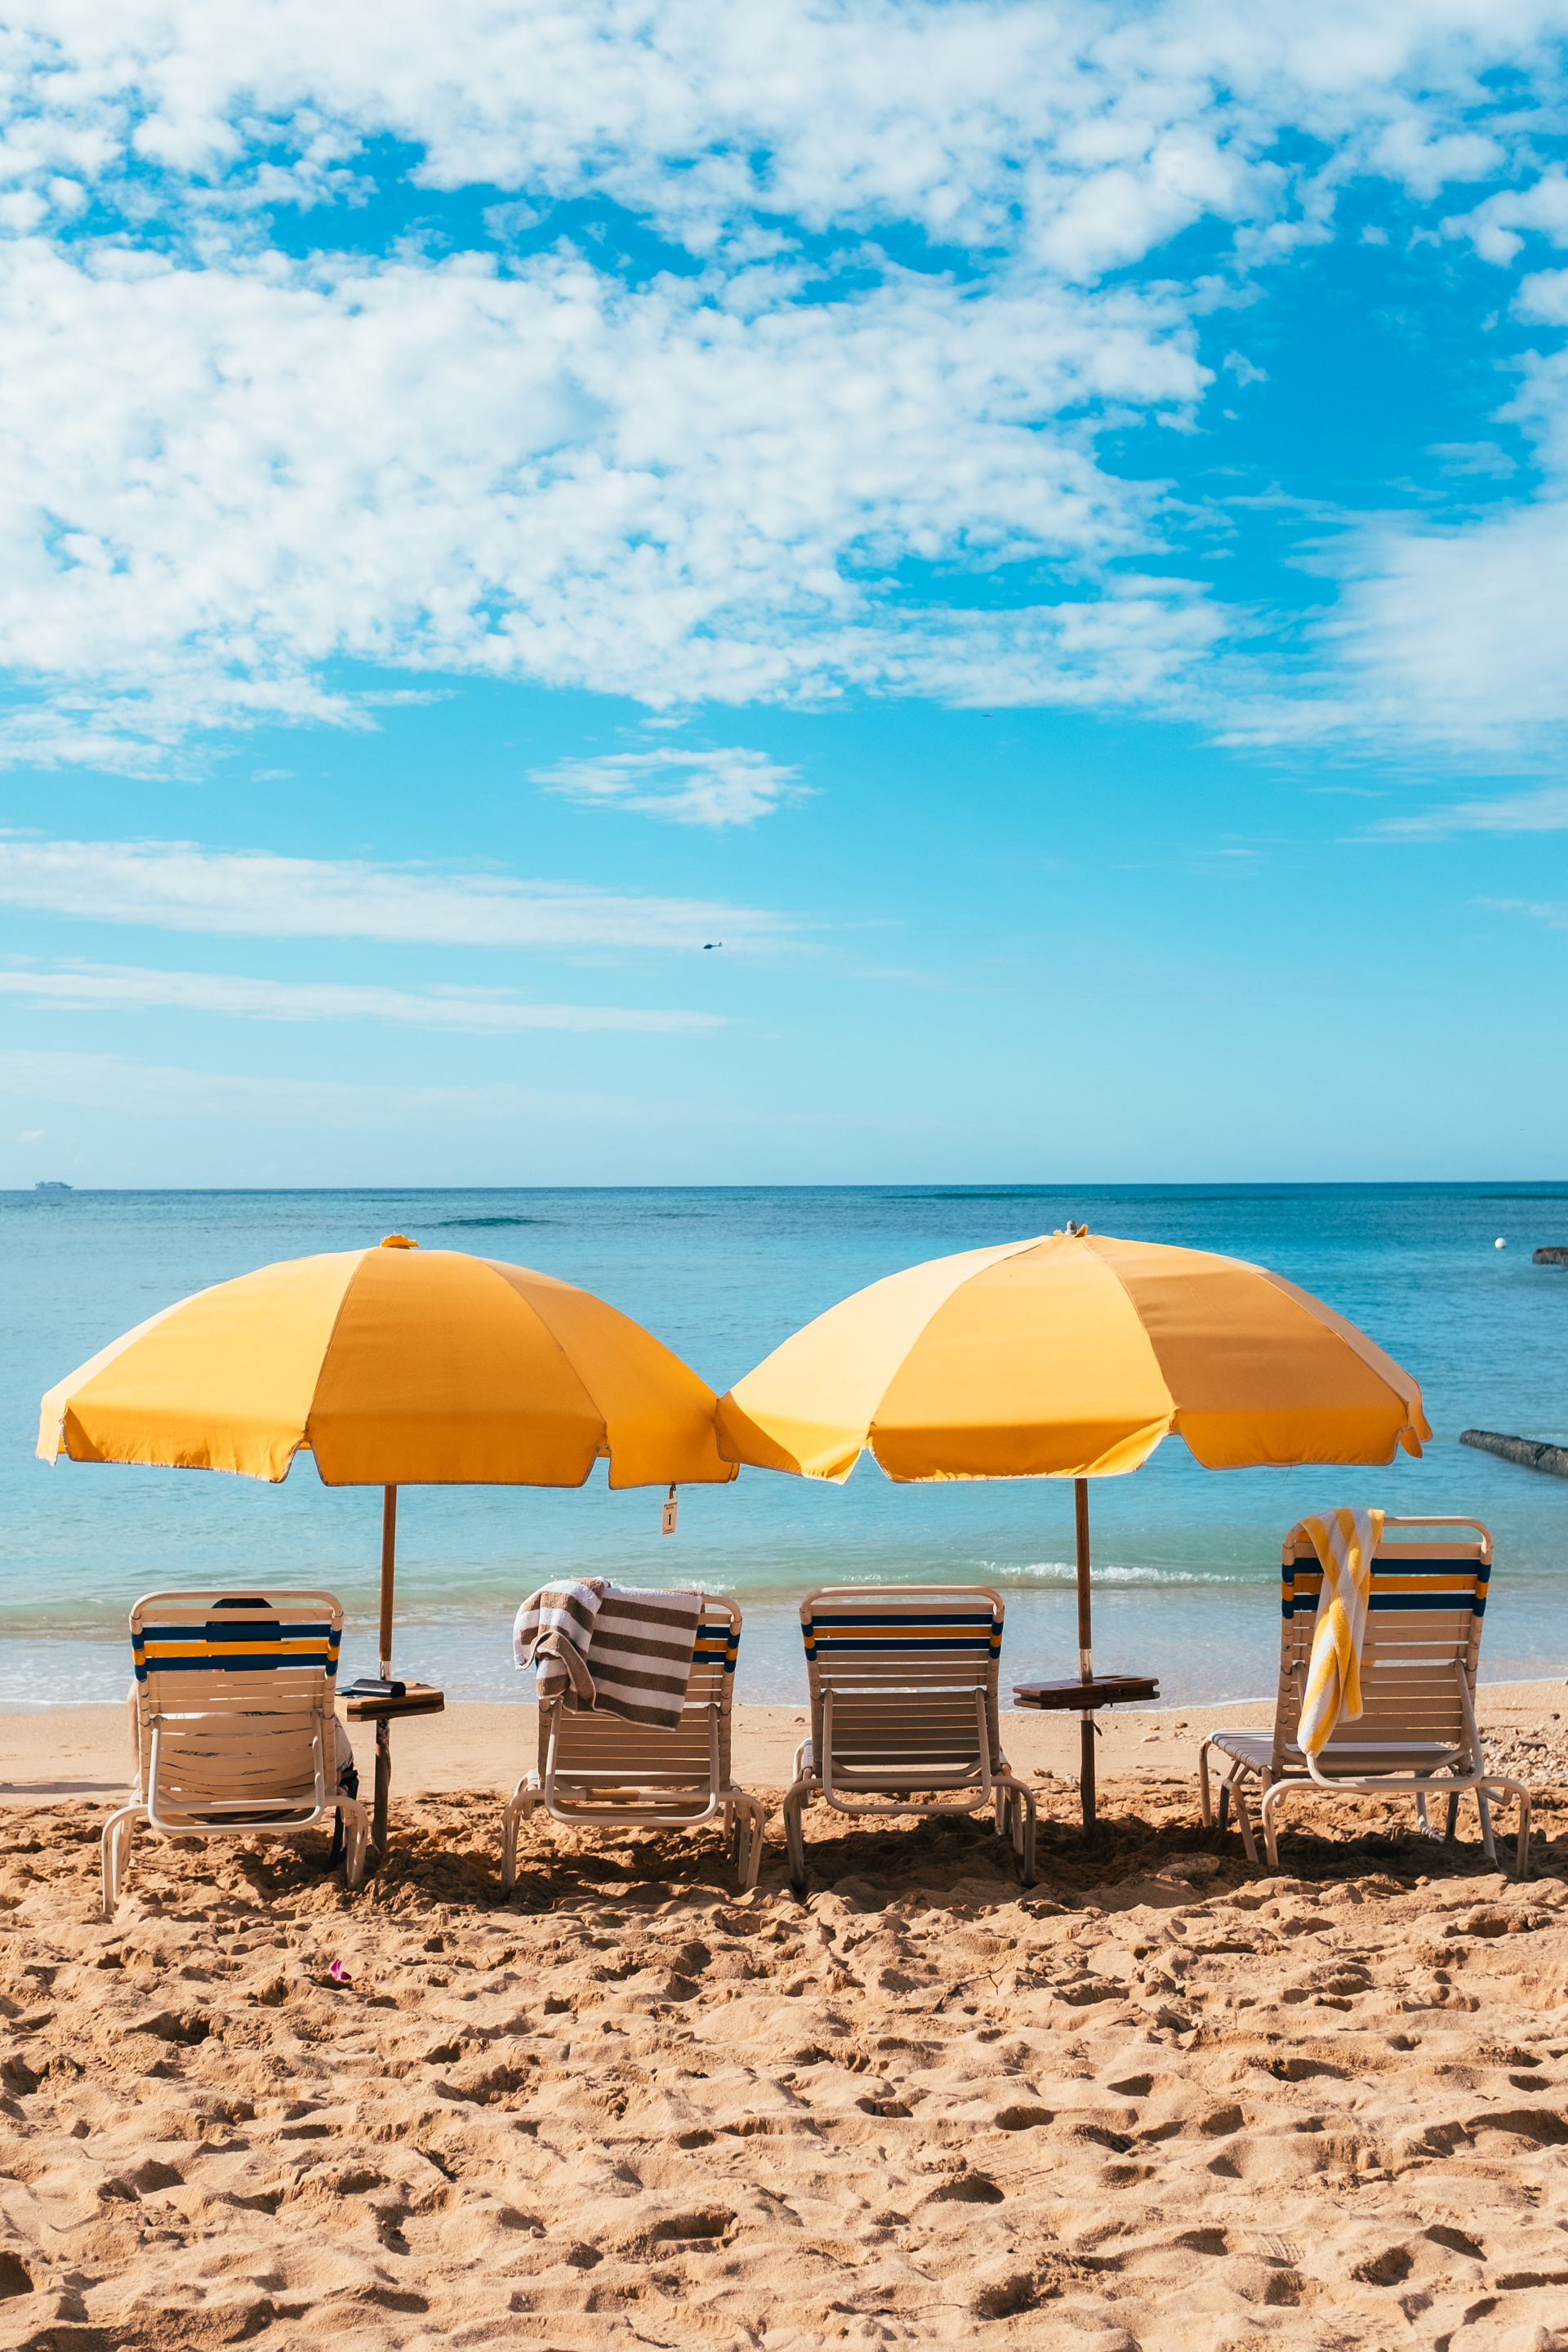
1185	1559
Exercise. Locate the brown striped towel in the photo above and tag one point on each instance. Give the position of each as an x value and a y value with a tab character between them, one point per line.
597	1644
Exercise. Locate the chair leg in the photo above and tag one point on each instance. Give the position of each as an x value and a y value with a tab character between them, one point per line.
1276	1789
1452	1824
524	1798
356	1821
1234	1788
118	1832
795	1835
1489	1844
1224	1803
348	1785
1024	1801
746	1850
1203	1799
1505	1787
1422	1823
1020	1819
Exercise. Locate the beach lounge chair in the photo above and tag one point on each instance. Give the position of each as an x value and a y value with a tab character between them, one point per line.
600	1771
235	1725
1417	1730
903	1697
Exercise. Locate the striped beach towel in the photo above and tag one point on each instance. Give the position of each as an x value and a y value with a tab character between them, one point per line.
1345	1542
601	1646
551	1632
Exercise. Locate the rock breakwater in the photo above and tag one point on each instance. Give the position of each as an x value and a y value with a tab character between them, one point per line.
1530	1453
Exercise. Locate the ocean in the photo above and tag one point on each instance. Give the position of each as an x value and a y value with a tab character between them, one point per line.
1185	1559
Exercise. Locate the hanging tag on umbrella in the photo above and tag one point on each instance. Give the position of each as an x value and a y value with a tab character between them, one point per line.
668	1527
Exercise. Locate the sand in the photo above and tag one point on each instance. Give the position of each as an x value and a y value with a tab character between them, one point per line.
1162	2100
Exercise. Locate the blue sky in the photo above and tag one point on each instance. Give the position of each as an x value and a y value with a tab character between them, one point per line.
1040	529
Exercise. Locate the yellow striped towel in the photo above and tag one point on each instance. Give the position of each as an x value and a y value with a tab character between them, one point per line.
1345	1542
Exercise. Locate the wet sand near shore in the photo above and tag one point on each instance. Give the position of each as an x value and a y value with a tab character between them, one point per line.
1163	2098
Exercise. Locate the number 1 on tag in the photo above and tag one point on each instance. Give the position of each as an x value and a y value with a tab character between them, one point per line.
670	1508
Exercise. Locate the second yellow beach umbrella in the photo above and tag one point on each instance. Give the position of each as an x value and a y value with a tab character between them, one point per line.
1071	1356
392	1366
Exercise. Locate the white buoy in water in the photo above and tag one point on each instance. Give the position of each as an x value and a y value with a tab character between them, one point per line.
1499	1245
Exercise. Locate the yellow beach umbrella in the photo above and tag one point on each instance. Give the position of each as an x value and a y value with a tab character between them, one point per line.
1071	1356
393	1366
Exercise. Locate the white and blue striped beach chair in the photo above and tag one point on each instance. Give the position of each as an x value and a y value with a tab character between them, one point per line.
1417	1730
235	1724
600	1771
903	1697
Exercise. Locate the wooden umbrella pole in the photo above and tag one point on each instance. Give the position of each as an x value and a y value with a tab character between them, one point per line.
382	1725
388	1565
1085	1654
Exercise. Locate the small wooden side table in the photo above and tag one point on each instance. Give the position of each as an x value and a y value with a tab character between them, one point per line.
418	1698
1081	1696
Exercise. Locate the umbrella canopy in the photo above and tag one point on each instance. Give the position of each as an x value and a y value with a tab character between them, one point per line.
1071	1356
393	1366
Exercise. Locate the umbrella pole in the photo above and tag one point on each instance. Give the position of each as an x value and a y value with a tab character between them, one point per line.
383	1726
1085	1655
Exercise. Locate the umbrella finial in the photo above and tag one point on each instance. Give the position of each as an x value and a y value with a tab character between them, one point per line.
397	1241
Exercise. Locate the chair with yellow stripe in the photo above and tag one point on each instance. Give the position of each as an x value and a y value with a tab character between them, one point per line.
903	1697
234	1722
1416	1732
601	1772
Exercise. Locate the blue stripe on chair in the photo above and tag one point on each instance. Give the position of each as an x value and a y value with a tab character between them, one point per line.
894	1637
893	1618
225	1654
906	1643
1449	1583
935	1633
243	1661
253	1629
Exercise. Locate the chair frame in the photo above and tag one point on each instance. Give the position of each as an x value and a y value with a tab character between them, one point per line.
1437	1665
226	1701
950	1670
598	1770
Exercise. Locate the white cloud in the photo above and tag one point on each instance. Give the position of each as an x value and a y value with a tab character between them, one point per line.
214	481
1552	912
124	988
1495	227
1471	457
222	468
31	1135
1445	640
1539	812
1542	297
178	886
713	788
112	1082
1087	130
